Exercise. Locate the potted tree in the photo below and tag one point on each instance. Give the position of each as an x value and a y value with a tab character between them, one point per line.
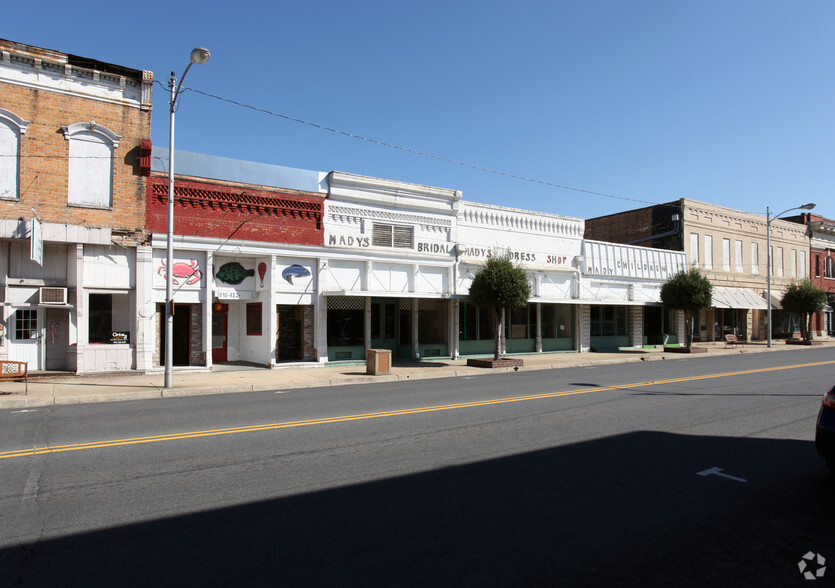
690	291
805	299
499	284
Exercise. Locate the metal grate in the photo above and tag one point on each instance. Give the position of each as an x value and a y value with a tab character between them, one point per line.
392	236
430	304
346	302
53	295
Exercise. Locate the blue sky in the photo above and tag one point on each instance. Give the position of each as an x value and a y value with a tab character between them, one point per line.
645	101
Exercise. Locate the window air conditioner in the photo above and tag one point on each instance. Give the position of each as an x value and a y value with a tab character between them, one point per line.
53	295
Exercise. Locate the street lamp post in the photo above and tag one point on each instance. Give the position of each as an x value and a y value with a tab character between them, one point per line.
768	219
199	55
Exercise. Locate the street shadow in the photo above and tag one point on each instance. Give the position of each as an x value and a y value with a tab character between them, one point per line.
627	510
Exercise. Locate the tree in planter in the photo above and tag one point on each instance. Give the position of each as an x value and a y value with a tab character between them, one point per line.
690	291
806	300
497	285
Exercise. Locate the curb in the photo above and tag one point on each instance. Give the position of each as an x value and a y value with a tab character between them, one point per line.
18	402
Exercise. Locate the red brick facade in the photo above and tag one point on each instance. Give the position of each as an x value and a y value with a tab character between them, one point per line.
221	211
821	277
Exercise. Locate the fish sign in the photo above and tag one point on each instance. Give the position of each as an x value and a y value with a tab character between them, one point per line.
294	271
233	273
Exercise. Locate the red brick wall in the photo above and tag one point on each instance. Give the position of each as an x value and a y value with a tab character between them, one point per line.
44	163
203	209
632	225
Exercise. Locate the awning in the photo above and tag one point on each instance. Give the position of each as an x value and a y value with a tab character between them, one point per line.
737	298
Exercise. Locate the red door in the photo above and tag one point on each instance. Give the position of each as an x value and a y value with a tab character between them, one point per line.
220	316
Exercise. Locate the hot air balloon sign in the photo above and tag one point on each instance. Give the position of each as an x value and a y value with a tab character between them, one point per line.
262	271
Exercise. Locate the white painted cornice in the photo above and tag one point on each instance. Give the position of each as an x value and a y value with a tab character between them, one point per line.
51	71
392	194
347	213
500	217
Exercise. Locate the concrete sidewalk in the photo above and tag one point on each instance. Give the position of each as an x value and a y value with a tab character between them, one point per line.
46	390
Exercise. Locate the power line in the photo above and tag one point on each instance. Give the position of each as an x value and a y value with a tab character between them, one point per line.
414	151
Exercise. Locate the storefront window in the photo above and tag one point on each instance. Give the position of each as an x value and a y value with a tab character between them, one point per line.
517	323
253	318
109	318
557	322
474	323
345	321
26	324
609	321
432	321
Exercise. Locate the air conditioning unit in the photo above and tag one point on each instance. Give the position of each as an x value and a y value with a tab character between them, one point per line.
53	295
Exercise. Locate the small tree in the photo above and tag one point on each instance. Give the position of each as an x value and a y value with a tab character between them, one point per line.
690	291
497	285
805	299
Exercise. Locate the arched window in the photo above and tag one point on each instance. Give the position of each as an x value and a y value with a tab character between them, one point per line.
11	129
830	268
91	164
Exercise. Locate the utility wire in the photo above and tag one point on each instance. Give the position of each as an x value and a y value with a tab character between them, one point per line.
414	151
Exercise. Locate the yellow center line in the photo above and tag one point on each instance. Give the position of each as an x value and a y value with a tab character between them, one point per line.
377	415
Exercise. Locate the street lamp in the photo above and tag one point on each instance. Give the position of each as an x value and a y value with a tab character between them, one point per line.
768	219
199	55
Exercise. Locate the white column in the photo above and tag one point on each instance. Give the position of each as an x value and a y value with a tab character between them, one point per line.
321	327
82	332
415	339
584	327
272	310
209	294
455	328
367	323
145	311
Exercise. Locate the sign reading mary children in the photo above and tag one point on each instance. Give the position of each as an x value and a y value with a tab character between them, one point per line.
607	259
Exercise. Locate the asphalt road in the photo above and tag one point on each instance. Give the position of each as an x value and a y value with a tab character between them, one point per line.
663	473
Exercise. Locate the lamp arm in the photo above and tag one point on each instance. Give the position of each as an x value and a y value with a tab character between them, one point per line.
176	93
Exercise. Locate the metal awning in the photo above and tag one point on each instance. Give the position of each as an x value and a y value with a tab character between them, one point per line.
737	298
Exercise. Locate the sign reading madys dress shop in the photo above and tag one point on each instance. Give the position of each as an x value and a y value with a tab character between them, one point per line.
517	256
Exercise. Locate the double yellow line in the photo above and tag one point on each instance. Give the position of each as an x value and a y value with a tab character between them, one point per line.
375	415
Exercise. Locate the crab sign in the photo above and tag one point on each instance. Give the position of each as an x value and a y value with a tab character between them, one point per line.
182	271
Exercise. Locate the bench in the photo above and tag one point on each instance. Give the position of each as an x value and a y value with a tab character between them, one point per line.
731	341
15	370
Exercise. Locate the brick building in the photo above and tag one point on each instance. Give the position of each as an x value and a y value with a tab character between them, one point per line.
73	208
730	247
246	237
822	255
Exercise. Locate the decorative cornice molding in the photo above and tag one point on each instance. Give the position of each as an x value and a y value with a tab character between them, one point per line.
520	220
91	127
224	200
54	73
391	193
351	215
20	123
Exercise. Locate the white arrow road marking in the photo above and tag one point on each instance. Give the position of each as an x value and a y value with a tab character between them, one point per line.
24	410
718	472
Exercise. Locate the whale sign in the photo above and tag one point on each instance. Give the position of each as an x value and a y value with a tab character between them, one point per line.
294	271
